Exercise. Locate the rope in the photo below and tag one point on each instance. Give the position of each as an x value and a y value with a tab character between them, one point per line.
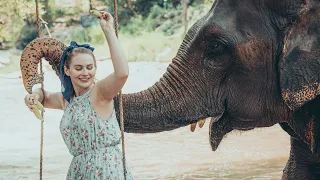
120	94
42	21
115	8
42	88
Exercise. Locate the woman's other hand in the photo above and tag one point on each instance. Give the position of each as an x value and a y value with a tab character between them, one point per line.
30	100
106	22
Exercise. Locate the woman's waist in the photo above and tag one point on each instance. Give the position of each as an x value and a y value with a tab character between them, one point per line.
108	147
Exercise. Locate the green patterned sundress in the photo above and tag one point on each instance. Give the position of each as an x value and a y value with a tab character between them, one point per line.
92	142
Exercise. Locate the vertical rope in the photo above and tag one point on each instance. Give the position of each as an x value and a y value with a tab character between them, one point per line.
38	19
115	8
42	88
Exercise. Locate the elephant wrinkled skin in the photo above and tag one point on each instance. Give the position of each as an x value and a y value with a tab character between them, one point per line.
246	64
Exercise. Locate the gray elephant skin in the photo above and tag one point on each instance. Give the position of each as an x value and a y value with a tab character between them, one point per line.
245	64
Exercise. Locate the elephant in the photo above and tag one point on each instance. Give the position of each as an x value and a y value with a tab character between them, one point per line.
245	64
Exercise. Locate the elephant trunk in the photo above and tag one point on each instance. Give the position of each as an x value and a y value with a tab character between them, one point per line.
48	48
177	99
174	101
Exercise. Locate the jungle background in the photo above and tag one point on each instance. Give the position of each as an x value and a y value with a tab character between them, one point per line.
150	30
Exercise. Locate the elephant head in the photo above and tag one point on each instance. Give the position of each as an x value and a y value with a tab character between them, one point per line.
246	64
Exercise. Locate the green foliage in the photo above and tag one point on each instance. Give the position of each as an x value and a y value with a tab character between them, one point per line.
52	11
27	34
152	36
167	28
96	35
11	30
155	17
158	17
143	7
208	1
17	23
135	27
149	46
93	35
78	34
12	17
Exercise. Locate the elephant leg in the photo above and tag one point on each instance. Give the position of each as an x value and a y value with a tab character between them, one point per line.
295	170
302	163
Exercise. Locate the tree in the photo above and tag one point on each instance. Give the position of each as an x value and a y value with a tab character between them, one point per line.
143	6
13	14
90	5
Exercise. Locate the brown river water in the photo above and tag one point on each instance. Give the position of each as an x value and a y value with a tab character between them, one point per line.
259	154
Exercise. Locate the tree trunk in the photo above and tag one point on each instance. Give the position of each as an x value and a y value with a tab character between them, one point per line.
90	5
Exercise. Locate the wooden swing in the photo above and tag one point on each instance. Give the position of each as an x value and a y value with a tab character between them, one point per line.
120	94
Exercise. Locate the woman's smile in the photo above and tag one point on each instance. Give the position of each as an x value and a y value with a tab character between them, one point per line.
85	80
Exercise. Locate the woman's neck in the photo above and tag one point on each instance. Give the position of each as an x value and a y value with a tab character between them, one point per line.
82	91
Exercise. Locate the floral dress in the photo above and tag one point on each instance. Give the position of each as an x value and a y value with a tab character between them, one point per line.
92	142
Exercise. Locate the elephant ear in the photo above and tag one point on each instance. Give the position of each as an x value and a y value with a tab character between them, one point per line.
299	67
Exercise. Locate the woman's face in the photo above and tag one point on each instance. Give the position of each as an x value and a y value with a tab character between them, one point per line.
82	71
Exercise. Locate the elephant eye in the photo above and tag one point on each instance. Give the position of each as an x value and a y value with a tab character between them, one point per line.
215	47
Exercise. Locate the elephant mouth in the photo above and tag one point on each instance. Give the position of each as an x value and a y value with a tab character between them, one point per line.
219	126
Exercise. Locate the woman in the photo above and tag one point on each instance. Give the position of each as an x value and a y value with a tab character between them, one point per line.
89	126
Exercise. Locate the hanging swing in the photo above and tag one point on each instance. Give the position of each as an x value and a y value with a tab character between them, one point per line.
52	50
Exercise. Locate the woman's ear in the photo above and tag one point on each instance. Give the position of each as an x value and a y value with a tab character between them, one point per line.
299	67
66	70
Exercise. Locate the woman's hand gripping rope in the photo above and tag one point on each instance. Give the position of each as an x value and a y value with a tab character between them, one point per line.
106	20
32	102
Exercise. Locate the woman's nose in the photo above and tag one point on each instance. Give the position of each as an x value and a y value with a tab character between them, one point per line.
85	71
